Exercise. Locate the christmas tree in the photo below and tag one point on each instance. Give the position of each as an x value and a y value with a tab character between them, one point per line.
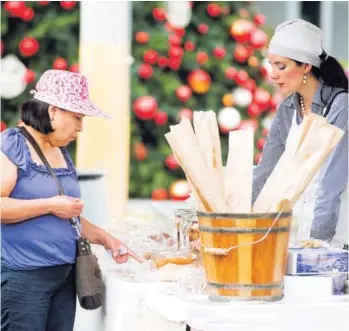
215	63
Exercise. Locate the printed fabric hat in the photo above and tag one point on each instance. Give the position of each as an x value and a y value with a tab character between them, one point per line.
66	90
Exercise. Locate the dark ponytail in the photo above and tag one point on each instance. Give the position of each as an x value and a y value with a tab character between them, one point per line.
331	72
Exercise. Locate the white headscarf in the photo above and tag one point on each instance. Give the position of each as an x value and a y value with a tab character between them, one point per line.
298	40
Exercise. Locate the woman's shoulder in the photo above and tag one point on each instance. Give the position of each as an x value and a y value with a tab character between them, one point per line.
13	146
11	138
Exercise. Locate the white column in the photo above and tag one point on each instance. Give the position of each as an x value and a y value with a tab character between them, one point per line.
104	59
326	24
293	10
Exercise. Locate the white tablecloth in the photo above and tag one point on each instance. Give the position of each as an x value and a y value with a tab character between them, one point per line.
133	304
201	314
125	293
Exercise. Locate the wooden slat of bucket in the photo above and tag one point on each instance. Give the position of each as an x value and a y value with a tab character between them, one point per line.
245	255
267	258
220	269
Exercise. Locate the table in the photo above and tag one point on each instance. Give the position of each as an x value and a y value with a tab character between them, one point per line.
201	314
153	306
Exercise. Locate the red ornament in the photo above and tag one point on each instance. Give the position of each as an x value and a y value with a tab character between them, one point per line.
150	56
259	19
189	46
68	4
262	98
250	85
15	8
162	62
160	118
219	52
3	126
1	47
179	190
145	71
140	151
186	112
241	53
265	132
74	67
43	3
214	10
174	40
159	14
28	46
253	110
201	57
175	63
250	123
241	77
159	194
29	76
231	72
183	93
142	37
60	64
264	72
257	158
199	81
203	28
175	52
260	143
145	107
258	39
241	30
27	14
171	162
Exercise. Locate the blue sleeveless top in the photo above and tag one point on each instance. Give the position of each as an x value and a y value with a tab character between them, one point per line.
44	240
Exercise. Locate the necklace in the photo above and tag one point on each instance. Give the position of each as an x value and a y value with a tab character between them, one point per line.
302	105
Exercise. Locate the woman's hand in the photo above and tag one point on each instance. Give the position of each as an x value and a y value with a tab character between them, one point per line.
65	207
120	252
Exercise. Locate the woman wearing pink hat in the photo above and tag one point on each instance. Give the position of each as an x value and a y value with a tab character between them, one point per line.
38	248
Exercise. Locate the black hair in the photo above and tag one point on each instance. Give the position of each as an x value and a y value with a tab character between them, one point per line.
35	114
331	72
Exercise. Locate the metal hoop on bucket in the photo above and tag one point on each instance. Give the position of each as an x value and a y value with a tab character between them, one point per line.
225	251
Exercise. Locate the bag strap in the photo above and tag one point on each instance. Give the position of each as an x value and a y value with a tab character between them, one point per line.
73	221
329	105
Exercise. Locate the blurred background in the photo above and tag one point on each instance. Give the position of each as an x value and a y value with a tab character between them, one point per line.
149	63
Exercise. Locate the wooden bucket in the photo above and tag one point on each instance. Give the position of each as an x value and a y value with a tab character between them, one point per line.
254	266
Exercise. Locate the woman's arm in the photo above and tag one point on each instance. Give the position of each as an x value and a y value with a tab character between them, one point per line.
14	210
96	235
17	210
333	177
272	151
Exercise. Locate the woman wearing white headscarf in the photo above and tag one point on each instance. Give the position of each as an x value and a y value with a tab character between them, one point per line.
313	82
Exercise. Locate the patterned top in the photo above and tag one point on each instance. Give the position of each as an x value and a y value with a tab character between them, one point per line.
334	172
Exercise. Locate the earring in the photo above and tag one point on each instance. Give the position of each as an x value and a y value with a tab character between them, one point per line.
304	79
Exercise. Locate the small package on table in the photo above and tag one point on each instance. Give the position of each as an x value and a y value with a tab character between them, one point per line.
315	288
309	261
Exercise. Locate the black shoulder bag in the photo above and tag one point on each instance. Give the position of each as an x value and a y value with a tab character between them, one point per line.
88	277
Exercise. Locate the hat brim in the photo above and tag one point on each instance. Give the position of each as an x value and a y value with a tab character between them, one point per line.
85	107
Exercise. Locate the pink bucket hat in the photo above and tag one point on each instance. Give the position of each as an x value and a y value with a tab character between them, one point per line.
66	90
